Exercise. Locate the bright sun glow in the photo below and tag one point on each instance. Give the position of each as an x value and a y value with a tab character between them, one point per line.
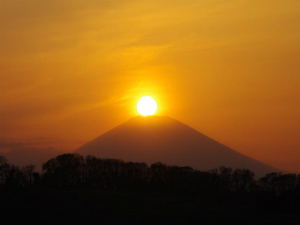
146	106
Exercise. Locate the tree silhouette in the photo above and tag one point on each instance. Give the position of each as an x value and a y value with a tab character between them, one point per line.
15	177
243	180
65	170
28	170
4	168
225	179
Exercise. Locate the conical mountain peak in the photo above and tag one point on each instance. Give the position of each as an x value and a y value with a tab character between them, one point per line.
160	138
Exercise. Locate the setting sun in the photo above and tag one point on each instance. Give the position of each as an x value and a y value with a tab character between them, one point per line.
146	106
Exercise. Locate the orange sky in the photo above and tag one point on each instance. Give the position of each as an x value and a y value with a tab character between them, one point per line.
71	70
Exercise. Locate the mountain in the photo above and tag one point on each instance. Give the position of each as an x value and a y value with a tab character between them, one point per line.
22	156
161	138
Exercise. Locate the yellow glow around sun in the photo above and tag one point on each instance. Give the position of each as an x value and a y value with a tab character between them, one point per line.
146	106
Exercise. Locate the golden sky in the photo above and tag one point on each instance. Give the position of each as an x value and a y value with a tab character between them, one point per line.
71	70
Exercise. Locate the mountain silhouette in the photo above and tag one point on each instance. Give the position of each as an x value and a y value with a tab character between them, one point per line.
160	138
22	156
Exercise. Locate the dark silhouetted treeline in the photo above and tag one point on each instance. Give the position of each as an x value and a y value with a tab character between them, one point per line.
72	188
75	171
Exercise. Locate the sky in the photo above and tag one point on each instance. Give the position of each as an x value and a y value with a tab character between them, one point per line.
72	70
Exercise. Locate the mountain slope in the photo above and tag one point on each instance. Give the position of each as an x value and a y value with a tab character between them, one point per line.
31	155
161	138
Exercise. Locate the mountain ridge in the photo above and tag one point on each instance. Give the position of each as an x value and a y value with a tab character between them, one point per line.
162	138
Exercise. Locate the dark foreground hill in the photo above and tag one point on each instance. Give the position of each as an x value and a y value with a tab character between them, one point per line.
74	189
161	138
36	156
130	207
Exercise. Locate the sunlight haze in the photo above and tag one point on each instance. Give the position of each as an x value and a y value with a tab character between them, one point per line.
72	70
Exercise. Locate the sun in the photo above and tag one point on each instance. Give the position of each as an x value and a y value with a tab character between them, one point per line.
146	106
